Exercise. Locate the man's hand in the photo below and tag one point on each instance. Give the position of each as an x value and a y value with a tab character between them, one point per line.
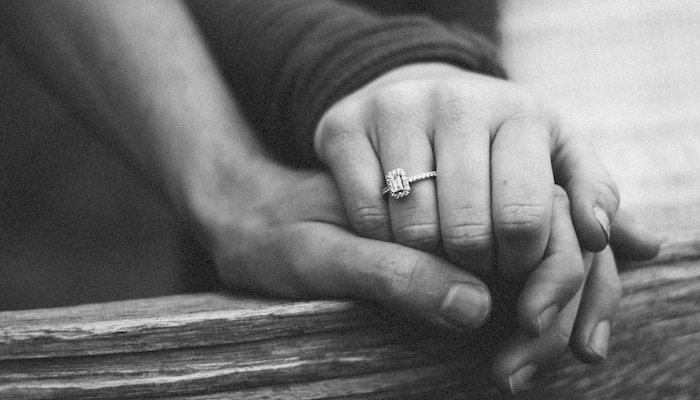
287	235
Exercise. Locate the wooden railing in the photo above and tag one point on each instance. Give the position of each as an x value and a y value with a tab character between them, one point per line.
217	345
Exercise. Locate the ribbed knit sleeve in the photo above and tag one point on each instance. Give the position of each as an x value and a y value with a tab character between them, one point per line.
288	61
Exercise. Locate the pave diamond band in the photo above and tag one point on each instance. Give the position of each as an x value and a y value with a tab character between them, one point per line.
399	185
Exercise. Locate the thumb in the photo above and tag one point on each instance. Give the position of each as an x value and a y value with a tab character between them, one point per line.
326	261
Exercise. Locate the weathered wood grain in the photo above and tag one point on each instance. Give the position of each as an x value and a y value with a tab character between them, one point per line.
222	346
161	323
218	318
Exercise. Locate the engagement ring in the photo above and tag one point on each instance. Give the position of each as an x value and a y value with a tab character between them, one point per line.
399	185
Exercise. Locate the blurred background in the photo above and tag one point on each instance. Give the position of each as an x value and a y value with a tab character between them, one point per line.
78	226
625	73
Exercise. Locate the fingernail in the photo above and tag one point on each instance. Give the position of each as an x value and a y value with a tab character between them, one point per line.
466	306
603	220
598	341
520	379
544	320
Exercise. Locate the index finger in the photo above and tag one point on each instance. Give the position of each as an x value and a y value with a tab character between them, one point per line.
557	277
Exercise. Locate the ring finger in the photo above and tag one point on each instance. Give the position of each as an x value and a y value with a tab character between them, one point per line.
414	217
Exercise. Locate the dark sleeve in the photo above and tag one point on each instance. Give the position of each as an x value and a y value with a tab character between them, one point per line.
288	61
479	15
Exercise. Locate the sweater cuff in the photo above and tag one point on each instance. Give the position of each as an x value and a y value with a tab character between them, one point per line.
369	53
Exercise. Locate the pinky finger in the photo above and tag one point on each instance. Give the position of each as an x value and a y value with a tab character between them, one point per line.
599	302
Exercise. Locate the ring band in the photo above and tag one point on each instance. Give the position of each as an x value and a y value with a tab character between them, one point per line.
399	185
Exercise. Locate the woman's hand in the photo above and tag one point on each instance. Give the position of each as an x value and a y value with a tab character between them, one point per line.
497	153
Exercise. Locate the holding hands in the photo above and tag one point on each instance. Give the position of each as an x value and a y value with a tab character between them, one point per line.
515	197
495	207
288	232
285	234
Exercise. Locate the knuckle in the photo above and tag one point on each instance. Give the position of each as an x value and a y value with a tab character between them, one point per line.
522	220
453	99
337	130
369	220
340	124
520	106
394	99
419	236
470	233
396	111
460	117
468	238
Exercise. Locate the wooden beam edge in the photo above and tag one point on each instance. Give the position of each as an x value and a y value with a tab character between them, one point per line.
212	319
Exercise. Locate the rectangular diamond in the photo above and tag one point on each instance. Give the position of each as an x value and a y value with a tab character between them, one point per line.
398	183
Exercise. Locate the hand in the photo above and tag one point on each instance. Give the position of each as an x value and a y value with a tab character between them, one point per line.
584	323
497	153
285	233
548	327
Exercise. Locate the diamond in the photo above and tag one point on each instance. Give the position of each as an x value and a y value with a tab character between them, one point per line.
398	184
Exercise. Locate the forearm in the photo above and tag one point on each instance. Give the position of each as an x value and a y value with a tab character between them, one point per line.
137	73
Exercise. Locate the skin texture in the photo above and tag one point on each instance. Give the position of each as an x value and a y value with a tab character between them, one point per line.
139	75
498	153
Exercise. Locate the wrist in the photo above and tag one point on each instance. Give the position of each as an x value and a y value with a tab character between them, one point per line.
218	180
